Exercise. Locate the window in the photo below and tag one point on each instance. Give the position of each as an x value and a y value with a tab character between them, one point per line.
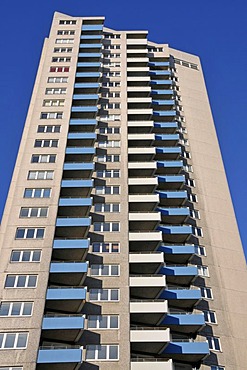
201	251
102	352
45	158
111	64
67	22
110	55
37	193
34	212
104	190
110	106
109	94
13	340
62	50
105	270
16	309
111	84
107	207
64	41
29	233
112	74
109	130
206	293
108	158
59	69
46	143
190	182
192	197
51	115
53	103
11	368
203	270
108	173
195	214
214	343
103	322
188	168
197	231
21	281
106	247
49	128
104	294
109	144
212	367
25	256
111	117
57	80
112	36
40	175
106	226
61	59
210	317
65	32
112	46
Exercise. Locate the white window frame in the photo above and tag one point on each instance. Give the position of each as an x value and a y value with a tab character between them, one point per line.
195	214
61	59
100	292
97	347
197	231
103	207
100	270
103	173
67	22
30	210
66	32
21	310
106	247
199	249
192	198
109	144
203	270
98	318
106	158
51	115
35	175
103	228
110	130
212	343
101	190
204	293
62	50
5	335
44	158
52	143
53	129
33	193
64	41
25	251
26	232
53	102
57	80
27	277
11	368
207	316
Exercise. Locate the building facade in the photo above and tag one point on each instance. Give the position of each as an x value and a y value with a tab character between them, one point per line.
119	244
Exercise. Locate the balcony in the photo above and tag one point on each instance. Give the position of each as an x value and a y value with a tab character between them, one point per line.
70	327
74	206
169	167
65	299
83	124
140	140
142	185
144	241
163	92
142	169
147	311
182	275
174	215
70	249
81	139
141	221
166	140
172	198
145	263
72	227
86	96
92	27
90	46
59	358
68	273
181	297
147	286
184	323
169	127
168	152
141	154
86	154
160	72
176	234
76	188
161	82
171	182
178	253
147	363
159	64
148	339
143	202
190	352
163	103
69	166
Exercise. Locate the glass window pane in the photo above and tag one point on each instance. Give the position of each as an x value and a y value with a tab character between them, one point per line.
115	189
106	226
10	340
10	281
90	354
102	322
115	226
105	270
36	256
92	321
15	256
93	294
114	322
37	193
102	352
1	340
32	281
20	233
30	233
40	233
105	247
47	193
21	280
26	256
97	226
49	175
114	294
43	212
34	212
4	309
22	340
104	295
115	270
41	175
27	309
96	247
16	309
24	212
28	193
113	352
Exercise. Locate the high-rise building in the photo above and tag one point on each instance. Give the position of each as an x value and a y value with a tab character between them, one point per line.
119	244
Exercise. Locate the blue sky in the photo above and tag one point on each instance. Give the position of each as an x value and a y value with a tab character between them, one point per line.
214	30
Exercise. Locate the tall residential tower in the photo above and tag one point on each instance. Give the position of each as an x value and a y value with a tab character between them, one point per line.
119	244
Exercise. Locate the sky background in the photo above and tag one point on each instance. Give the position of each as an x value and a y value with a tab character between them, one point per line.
216	30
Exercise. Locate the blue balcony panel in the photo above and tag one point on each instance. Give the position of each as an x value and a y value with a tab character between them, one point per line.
173	194
63	322
160	72
163	102
161	82
190	351
169	150
90	46
77	183
89	55
53	356
181	294
79	121
88	74
71	221
70	293
89	109
170	229
171	178
80	150
162	92
169	164
165	113
177	249
179	270
71	243
85	96
82	135
89	64
159	64
92	27
91	37
173	319
68	267
178	211
75	202
167	137
78	166
166	125
87	85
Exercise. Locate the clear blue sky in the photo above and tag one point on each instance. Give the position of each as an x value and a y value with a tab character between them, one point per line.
214	30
